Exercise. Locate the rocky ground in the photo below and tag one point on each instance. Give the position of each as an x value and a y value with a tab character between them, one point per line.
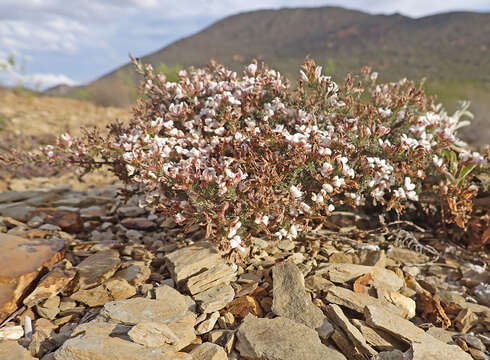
85	276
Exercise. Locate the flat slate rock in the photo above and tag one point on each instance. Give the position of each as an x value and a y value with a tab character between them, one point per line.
424	346
97	268
99	341
215	299
290	299
342	273
22	261
188	261
355	301
281	338
217	275
136	310
336	315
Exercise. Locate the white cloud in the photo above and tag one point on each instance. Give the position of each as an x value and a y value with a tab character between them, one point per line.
14	76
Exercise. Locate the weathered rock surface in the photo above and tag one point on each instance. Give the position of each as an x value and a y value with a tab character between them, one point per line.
22	261
336	315
215	299
424	346
51	284
102	341
190	260
354	301
217	275
342	273
290	299
280	338
97	268
153	334
208	351
11	350
133	311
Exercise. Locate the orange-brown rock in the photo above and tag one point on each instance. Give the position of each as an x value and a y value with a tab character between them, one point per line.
68	221
23	261
244	305
51	284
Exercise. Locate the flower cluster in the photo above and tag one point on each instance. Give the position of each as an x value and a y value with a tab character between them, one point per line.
239	153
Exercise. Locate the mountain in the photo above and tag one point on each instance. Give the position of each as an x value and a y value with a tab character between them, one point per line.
452	50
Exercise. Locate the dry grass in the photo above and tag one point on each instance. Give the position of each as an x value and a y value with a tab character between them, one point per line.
27	121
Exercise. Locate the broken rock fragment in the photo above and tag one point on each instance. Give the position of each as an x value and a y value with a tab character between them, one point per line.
290	299
23	260
281	338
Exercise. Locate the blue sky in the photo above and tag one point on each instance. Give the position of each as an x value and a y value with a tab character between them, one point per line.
77	41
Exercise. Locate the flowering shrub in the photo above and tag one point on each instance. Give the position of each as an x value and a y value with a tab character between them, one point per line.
244	153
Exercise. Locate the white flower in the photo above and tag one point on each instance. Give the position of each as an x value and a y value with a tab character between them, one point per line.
374	76
327	187
295	192
338	182
252	68
305	207
384	112
235	243
318	198
331	207
179	218
303	75
408	184
234	229
437	161
326	168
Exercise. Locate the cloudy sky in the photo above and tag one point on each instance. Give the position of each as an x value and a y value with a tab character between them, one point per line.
77	41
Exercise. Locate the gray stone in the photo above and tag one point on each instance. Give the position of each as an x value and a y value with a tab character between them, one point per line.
188	261
97	268
135	310
335	314
280	338
217	275
390	355
152	334
424	346
135	273
472	341
104	341
11	350
379	339
436	350
440	334
325	330
342	273
215	299
130	211
406	256
401	328
208	351
355	301
290	299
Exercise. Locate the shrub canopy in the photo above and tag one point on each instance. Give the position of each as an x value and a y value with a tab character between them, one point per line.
240	153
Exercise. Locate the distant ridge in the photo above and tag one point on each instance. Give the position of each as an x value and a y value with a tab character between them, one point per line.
452	50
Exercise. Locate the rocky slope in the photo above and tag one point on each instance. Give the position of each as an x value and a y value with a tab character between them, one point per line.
119	282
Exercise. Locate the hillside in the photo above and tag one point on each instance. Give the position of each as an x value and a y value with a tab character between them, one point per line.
452	50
